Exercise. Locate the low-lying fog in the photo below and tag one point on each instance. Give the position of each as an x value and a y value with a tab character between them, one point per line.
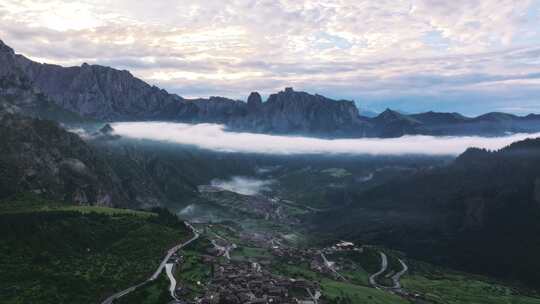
214	137
243	185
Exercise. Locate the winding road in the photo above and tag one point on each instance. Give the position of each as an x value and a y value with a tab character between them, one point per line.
395	278
169	267
158	271
384	266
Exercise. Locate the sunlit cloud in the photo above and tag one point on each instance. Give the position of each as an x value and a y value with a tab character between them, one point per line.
375	52
215	137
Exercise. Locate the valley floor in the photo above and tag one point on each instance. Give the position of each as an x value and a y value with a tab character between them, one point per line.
234	265
55	253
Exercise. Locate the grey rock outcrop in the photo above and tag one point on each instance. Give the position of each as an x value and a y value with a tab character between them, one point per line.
215	110
99	92
296	112
254	102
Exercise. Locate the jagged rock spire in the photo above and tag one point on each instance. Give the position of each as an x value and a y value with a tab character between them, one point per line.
254	101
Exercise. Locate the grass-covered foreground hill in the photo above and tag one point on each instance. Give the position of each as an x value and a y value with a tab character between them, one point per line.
52	253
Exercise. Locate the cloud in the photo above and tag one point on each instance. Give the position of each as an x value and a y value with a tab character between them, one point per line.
371	51
214	137
243	185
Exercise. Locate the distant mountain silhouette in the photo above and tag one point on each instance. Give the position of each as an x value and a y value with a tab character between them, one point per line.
106	94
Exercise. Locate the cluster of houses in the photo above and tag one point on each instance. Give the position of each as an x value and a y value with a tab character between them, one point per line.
247	281
344	246
243	282
294	254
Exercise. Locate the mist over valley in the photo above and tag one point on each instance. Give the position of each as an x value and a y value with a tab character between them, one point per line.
217	138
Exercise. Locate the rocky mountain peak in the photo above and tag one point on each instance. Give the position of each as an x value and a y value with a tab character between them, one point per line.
391	123
532	116
496	116
5	49
106	129
432	117
7	62
291	111
254	101
389	114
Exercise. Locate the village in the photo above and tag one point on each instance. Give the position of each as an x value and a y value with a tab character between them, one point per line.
237	282
242	261
244	281
250	280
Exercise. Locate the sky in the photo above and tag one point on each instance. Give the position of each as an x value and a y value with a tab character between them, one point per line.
215	137
470	56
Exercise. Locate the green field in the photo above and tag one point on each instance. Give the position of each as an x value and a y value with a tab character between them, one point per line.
340	292
242	253
460	289
192	273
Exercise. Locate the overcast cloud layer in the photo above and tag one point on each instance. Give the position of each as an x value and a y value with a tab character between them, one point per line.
471	56
213	137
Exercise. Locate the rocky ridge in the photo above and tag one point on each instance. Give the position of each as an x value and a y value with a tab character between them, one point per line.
106	94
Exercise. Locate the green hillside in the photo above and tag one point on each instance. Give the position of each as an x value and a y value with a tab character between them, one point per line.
59	254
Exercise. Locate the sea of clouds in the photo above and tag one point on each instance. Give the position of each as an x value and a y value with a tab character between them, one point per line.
215	137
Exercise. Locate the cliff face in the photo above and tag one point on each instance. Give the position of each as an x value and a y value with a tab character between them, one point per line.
39	156
8	66
310	113
15	88
290	111
107	94
99	92
215	110
18	95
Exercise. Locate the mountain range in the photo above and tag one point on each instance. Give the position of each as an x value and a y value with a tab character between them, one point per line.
106	94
